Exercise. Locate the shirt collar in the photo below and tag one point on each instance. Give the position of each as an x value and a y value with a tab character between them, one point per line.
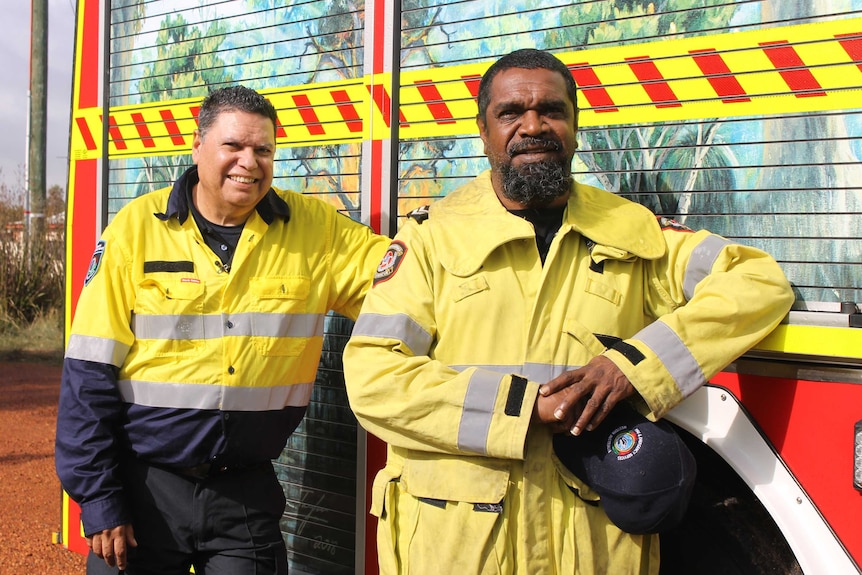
269	207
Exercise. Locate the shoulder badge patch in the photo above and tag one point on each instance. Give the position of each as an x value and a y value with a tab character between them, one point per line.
95	262
390	262
669	224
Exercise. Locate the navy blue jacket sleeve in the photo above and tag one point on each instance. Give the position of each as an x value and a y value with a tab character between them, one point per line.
87	443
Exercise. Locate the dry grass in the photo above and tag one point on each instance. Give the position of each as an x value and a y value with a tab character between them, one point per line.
41	341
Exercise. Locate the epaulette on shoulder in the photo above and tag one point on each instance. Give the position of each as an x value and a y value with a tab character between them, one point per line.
670	224
419	214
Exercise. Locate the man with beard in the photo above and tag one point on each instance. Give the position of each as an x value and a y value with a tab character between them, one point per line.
515	327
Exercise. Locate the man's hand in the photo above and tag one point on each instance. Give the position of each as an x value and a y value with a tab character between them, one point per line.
586	395
111	544
547	406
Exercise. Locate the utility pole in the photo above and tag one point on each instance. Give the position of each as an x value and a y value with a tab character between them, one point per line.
34	216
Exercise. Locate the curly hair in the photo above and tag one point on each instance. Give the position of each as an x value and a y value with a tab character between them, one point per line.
233	99
530	59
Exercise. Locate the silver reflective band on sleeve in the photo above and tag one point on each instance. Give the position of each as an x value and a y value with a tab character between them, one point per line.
185	327
701	261
538	372
97	349
399	326
205	396
478	410
674	355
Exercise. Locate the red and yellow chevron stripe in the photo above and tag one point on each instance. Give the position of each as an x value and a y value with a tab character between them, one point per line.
805	68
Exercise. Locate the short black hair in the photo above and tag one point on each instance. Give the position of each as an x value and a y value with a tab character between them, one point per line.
233	99
530	59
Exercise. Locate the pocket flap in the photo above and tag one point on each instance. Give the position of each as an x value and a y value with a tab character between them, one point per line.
172	289
469	287
586	338
451	478
295	287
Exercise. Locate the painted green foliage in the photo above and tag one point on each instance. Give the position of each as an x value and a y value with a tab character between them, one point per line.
658	165
187	61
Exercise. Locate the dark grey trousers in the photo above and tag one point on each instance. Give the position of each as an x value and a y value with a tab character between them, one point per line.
227	524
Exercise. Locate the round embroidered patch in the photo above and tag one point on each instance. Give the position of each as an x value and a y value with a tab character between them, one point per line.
624	442
390	262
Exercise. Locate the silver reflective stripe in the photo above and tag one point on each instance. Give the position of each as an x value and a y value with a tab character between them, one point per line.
399	326
170	327
276	324
538	372
98	349
675	356
501	369
701	261
478	410
544	372
205	396
184	327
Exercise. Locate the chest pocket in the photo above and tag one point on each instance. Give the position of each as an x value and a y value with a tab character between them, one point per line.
584	342
281	323
168	318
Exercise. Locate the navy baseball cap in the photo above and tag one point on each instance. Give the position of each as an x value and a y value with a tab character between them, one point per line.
642	470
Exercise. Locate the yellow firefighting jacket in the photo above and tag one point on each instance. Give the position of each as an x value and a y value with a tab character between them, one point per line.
462	301
175	361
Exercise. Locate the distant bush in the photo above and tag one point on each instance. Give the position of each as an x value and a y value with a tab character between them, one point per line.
29	289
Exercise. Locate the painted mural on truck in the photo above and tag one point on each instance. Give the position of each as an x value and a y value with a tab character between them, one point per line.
767	182
759	180
168	50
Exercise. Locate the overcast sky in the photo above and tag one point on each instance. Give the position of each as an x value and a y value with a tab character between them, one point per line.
15	48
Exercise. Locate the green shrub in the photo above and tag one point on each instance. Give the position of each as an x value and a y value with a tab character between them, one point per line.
29	289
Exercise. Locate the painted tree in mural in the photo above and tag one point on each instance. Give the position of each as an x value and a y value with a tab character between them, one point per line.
126	20
185	66
420	162
335	40
659	166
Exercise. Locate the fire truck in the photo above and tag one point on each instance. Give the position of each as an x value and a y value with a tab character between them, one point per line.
743	117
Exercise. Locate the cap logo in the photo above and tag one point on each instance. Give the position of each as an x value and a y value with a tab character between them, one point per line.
624	442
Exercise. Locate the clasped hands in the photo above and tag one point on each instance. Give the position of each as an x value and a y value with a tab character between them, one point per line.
580	399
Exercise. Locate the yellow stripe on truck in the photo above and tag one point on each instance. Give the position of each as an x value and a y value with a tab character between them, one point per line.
805	68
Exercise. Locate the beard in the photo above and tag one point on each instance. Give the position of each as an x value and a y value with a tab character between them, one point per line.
537	184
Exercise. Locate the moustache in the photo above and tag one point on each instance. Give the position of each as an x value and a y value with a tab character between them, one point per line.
531	144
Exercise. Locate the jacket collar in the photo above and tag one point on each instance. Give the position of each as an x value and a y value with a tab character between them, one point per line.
179	201
627	228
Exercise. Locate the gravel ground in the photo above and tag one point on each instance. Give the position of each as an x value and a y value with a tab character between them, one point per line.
29	488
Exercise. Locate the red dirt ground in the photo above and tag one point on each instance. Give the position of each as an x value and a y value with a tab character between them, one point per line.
29	488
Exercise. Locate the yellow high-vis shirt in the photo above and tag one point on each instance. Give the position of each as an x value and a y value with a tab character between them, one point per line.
176	361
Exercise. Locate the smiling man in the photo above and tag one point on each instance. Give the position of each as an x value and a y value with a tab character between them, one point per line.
515	329
193	352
